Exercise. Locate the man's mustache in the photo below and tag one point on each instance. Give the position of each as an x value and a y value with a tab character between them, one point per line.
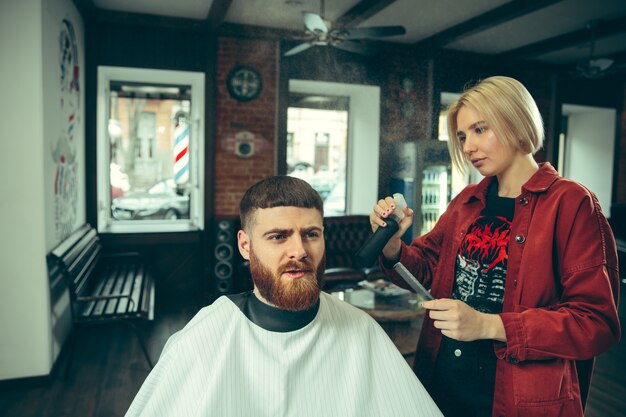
297	265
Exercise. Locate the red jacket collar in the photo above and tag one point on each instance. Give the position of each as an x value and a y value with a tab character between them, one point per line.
538	183
542	179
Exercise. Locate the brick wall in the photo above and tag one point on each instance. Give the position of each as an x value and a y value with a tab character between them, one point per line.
234	174
406	108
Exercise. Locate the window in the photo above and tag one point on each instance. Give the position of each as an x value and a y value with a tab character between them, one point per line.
319	156
360	187
150	142
446	100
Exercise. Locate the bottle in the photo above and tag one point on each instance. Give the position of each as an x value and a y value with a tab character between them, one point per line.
373	246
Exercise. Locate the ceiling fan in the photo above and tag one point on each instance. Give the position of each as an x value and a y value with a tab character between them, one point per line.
594	67
320	32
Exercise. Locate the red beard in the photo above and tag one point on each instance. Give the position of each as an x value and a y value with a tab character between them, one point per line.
288	294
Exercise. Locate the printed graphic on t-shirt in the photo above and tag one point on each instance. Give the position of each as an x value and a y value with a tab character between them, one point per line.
481	264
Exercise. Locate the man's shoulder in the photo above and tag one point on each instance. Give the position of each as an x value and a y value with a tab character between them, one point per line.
216	314
222	303
334	302
344	310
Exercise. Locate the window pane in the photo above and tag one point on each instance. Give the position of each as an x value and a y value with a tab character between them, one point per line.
316	152
149	151
443	125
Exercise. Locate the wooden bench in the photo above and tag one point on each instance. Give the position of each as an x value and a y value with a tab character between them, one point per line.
103	287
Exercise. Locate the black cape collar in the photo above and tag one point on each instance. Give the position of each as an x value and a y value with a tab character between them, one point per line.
271	318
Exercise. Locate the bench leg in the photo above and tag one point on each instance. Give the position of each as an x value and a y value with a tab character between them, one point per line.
142	344
72	340
71	348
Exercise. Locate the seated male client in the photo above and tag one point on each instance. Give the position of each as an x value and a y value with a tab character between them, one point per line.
285	348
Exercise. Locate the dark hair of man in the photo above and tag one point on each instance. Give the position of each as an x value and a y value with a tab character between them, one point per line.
278	191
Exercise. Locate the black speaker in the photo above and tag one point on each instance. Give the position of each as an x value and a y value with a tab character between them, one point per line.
229	272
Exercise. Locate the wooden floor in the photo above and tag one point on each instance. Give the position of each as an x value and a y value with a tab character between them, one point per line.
607	397
109	368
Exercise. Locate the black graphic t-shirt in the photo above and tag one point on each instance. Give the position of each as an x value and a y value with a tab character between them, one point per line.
482	259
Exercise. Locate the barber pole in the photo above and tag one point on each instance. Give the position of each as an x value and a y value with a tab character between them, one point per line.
181	148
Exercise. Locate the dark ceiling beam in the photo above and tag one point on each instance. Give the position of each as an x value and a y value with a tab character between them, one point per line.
361	11
86	8
601	29
217	13
485	21
257	32
149	20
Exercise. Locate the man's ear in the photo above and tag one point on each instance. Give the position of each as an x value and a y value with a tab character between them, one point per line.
243	243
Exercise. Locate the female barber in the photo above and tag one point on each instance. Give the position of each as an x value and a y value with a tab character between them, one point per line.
523	268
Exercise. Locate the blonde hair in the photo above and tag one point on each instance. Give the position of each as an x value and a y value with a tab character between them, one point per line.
508	109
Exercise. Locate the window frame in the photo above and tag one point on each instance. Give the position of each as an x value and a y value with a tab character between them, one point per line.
196	80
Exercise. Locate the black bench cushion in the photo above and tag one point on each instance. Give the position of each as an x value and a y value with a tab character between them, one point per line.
344	236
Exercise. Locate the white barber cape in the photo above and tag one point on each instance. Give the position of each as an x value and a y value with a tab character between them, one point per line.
341	363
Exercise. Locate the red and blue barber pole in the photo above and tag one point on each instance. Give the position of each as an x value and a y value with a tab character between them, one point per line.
181	148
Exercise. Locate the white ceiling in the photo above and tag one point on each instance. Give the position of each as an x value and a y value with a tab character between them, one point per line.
421	18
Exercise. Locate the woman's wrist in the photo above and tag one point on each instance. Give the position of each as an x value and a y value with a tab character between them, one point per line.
494	327
391	251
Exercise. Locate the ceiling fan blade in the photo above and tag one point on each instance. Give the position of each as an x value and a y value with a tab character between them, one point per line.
601	63
374	32
298	49
314	22
356	47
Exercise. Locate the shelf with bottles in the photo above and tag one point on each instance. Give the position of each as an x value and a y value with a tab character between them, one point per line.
433	175
429	219
431	196
435	190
